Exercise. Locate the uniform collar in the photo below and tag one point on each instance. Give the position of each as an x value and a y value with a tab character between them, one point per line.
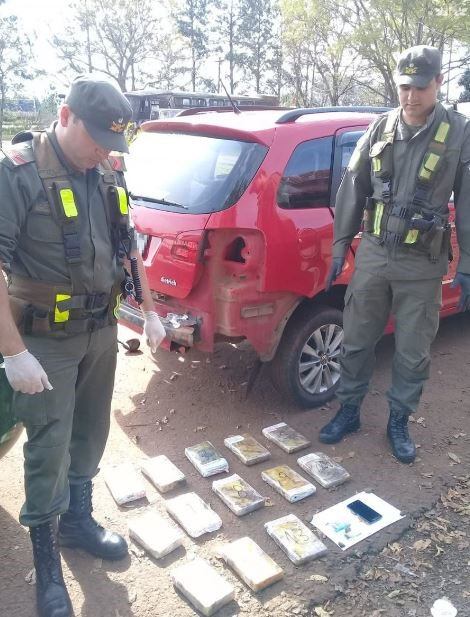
405	133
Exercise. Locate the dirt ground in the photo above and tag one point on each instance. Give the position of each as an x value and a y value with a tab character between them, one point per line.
166	403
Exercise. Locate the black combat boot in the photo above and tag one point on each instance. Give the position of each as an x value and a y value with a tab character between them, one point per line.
51	593
403	446
78	529
346	421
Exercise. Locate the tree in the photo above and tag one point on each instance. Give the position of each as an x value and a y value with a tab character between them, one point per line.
15	61
170	59
317	41
257	26
192	23
464	81
382	28
227	31
115	37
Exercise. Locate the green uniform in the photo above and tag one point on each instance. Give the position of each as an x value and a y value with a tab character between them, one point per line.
67	427
402	280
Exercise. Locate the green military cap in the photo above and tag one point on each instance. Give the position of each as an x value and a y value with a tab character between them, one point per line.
104	110
417	66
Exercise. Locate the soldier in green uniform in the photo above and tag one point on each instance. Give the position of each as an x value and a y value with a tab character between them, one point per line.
398	184
64	241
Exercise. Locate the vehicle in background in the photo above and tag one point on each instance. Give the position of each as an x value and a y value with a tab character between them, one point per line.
234	219
152	104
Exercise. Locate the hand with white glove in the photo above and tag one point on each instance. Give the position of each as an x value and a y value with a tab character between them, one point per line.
153	330
25	373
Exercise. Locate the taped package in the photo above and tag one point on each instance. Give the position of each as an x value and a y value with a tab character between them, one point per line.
296	540
251	563
286	437
163	473
155	534
323	469
203	586
124	483
247	449
238	495
288	483
206	459
194	515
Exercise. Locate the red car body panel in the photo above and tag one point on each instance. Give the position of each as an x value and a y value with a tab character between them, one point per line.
242	271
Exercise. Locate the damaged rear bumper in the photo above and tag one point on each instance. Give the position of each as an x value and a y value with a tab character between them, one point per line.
180	329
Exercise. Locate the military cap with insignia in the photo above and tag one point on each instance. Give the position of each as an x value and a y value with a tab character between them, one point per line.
417	66
103	109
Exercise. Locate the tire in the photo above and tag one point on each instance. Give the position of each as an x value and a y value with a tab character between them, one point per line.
312	336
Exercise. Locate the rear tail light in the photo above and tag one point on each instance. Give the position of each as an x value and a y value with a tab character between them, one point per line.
189	246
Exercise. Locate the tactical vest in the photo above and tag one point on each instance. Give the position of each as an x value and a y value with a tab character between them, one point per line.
40	307
412	224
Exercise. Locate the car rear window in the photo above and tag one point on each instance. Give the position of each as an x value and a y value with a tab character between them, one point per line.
190	173
307	176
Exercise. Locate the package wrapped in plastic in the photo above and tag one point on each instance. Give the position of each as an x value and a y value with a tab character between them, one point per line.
247	449
203	586
155	534
251	563
206	459
323	469
163	473
238	495
286	437
288	483
125	483
194	515
296	540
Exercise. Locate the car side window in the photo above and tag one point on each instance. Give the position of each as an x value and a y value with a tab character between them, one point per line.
348	143
306	179
345	143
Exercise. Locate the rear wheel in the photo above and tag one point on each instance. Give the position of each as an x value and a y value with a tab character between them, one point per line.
306	366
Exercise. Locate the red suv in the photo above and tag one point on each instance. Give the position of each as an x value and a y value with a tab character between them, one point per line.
234	216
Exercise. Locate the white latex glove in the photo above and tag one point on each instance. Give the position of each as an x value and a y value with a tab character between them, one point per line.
153	330
25	373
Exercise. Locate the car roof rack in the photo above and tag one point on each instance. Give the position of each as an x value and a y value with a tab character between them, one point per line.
192	111
295	114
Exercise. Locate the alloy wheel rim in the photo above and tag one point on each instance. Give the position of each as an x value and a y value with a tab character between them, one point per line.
319	359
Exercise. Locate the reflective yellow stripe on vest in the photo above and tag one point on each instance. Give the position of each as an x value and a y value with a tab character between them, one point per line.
411	236
433	155
122	200
442	132
379	210
61	316
67	200
429	165
117	306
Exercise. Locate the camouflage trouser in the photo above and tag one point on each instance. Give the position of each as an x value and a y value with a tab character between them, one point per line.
67	427
369	301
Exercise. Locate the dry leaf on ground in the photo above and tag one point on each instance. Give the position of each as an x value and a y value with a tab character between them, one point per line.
421	545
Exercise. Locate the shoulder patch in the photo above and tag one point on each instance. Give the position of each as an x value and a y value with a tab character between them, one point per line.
117	162
20	154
